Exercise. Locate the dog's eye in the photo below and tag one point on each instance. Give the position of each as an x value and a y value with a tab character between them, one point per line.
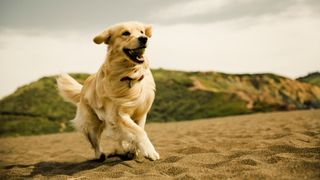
126	33
141	32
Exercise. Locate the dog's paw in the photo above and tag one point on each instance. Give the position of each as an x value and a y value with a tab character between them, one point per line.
101	158
127	156
148	151
152	156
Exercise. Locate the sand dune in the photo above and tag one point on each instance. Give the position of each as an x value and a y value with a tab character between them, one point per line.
284	145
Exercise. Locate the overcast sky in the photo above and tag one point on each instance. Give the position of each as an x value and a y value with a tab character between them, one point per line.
47	37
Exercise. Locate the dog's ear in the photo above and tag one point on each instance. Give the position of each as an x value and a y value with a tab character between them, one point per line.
105	37
148	29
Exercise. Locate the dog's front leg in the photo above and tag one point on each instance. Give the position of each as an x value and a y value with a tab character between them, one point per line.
135	133
141	121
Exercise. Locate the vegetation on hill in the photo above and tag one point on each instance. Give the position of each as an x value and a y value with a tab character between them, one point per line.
312	78
37	108
176	100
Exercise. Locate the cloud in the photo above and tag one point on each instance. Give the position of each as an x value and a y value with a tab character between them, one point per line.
83	15
207	11
80	15
190	8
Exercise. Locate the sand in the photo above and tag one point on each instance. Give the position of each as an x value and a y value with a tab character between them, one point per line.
281	145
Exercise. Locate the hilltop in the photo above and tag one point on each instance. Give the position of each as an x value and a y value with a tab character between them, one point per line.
36	108
312	78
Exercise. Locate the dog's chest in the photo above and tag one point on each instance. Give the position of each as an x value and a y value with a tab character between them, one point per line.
132	104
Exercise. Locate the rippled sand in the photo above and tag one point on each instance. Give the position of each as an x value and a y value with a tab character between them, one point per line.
282	145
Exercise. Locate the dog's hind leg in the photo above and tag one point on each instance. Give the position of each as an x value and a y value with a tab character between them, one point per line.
87	122
93	135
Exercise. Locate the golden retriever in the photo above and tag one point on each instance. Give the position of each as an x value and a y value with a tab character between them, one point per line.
118	97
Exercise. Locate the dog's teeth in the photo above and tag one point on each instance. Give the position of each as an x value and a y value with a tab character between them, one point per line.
140	58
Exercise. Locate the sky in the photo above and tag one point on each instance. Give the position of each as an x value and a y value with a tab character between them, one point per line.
44	37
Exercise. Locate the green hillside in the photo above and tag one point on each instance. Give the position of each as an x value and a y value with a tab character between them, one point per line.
312	78
36	108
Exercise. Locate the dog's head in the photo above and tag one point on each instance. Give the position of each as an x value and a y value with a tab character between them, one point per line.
128	39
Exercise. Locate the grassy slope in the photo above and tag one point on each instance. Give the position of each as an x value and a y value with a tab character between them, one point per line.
312	78
175	101
36	108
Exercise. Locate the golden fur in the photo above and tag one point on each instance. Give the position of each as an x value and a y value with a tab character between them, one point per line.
106	102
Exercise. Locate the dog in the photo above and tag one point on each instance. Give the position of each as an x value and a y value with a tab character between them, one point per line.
118	97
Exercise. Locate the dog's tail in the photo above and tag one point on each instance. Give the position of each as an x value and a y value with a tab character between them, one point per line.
69	88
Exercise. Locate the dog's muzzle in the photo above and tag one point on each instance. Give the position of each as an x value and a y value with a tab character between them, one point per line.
136	54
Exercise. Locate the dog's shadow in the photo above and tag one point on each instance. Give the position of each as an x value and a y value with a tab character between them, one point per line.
66	168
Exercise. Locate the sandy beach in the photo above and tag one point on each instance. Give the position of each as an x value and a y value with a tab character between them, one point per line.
279	145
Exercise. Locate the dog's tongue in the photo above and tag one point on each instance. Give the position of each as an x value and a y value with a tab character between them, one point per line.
139	52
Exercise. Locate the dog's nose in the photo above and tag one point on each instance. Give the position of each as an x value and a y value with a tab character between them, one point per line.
143	40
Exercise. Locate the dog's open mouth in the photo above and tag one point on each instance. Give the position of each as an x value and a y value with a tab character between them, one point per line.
135	55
